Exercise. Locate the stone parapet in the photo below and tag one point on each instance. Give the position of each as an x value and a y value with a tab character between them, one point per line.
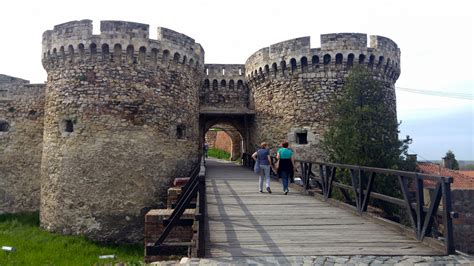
120	43
338	51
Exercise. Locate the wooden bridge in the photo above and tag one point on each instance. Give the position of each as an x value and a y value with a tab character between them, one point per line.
233	219
243	222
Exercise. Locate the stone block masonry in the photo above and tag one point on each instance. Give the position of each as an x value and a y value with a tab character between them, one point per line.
21	144
463	204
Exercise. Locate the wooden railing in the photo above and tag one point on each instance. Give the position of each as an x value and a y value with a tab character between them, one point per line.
360	192
196	187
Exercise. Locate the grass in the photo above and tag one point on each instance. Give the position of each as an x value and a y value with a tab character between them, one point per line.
35	246
219	154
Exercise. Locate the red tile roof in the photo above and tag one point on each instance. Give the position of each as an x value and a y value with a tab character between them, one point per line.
461	180
469	173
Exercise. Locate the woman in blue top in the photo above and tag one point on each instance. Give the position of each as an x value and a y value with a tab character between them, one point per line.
263	157
286	164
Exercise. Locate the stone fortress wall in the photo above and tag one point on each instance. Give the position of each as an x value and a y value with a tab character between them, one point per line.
295	85
224	87
119	116
21	144
122	119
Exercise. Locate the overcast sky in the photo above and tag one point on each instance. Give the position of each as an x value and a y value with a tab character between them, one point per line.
435	38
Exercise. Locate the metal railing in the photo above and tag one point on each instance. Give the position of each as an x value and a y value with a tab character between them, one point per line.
195	187
360	192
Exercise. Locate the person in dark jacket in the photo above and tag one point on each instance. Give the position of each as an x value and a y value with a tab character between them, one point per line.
286	165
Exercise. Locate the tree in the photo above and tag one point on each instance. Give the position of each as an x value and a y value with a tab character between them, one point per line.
364	132
451	159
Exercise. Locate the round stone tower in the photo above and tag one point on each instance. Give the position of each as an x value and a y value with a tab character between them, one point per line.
121	119
294	86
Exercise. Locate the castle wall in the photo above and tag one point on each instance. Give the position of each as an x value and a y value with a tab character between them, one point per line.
225	88
122	116
21	138
294	85
223	141
210	138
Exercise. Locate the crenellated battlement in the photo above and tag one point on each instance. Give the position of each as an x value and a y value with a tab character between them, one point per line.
224	71
338	51
119	42
224	77
224	88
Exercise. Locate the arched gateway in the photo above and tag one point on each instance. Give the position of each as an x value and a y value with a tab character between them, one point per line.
225	103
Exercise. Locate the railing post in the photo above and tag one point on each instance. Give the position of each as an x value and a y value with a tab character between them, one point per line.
420	203
354	188
406	197
308	174
370	184
361	190
321	174
447	219
201	249
303	174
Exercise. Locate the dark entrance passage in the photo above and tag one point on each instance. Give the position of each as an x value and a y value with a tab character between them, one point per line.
236	125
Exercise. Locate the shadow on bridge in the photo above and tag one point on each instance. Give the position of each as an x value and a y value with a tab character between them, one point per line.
241	222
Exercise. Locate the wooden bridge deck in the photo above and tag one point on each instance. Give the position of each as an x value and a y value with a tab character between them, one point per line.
241	222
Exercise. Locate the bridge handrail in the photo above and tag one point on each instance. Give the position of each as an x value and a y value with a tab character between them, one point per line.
421	217
196	186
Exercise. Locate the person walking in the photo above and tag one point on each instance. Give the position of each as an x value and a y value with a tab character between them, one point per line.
206	149
262	157
286	165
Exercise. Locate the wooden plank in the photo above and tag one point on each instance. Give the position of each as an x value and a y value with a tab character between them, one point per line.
260	251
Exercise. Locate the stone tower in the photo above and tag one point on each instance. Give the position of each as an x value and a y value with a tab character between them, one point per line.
294	85
121	119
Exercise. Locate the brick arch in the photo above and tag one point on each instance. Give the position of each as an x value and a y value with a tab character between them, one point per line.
226	138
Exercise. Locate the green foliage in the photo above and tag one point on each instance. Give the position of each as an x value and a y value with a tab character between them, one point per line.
469	167
364	132
219	154
452	158
37	247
